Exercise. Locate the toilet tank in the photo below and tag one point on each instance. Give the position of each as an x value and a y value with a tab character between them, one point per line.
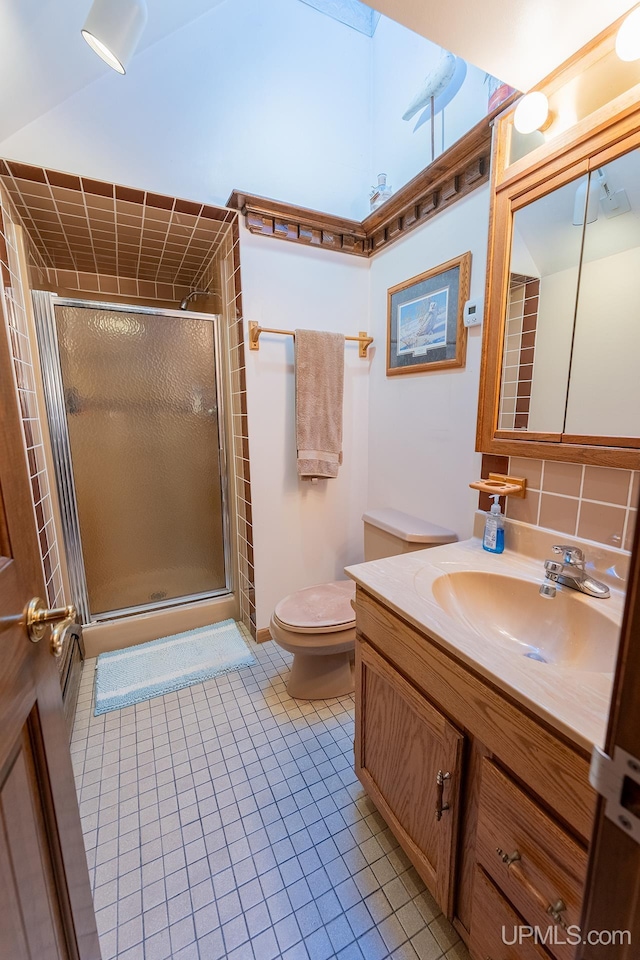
389	532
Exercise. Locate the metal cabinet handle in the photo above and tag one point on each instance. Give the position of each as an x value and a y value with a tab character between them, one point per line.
513	864
440	806
37	617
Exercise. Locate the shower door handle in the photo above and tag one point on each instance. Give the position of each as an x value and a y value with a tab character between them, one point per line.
37	617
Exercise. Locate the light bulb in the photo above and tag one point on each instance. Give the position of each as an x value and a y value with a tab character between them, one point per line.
532	113
103	51
628	39
113	28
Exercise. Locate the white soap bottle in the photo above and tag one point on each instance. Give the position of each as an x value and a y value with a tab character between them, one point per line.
493	539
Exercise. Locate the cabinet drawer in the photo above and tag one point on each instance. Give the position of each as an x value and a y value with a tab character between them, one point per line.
494	921
539	867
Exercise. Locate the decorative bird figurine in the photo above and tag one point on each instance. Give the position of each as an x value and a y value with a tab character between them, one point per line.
435	83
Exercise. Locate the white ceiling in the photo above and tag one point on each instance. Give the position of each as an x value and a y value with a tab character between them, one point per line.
519	41
44	60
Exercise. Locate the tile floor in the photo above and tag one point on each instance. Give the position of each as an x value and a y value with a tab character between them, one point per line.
225	821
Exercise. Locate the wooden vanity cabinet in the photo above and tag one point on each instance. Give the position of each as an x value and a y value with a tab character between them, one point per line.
493	807
409	758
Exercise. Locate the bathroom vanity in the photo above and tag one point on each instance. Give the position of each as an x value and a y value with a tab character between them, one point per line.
476	753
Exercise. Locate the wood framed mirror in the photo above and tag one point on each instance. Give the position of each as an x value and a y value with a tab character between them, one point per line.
560	376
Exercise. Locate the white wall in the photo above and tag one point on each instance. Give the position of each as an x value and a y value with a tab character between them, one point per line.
521	259
603	392
304	533
271	98
408	440
400	62
552	356
422	426
602	355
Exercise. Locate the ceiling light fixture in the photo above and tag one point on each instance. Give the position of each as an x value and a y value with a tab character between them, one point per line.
628	39
113	28
532	113
588	203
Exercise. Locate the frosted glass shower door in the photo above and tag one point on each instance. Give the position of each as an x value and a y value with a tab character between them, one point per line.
141	404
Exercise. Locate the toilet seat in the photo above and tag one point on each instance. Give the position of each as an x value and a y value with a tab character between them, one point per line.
322	665
318	624
322	609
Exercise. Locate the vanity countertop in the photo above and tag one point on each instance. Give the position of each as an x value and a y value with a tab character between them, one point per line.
574	702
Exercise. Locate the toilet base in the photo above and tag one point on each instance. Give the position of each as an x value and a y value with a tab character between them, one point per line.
320	678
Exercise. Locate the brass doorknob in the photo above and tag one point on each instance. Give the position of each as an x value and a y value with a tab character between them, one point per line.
38	617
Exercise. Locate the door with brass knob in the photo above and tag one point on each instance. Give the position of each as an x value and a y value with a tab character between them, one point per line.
38	617
46	909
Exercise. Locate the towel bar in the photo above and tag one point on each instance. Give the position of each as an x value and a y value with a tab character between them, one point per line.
363	339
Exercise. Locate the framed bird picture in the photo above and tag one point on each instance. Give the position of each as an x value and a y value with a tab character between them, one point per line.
425	329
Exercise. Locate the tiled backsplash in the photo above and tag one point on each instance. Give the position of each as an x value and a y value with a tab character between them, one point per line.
593	503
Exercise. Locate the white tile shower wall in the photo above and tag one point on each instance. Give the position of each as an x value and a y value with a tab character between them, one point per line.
422	426
14	289
303	533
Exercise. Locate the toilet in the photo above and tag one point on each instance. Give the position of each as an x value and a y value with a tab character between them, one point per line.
317	624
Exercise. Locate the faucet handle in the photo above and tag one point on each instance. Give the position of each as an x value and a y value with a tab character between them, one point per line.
570	555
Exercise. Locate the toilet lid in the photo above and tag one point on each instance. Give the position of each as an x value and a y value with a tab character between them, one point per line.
325	607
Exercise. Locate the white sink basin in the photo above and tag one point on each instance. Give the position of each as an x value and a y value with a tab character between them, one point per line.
566	631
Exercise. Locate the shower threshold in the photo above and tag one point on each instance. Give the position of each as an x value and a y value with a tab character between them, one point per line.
160	605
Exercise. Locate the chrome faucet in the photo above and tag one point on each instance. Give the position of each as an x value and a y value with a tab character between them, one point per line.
571	572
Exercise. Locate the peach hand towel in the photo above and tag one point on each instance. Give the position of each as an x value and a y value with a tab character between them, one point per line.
319	393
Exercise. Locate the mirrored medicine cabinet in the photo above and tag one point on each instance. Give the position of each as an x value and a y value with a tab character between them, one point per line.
561	349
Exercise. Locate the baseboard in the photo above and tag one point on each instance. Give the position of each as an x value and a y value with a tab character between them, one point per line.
263	635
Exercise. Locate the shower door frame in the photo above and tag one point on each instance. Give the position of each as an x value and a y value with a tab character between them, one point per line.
44	303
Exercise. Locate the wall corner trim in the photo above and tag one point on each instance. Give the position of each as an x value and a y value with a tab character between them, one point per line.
456	173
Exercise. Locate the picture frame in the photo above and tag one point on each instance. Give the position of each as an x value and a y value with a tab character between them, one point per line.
425	329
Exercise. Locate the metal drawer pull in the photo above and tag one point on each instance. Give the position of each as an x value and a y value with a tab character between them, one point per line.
440	806
554	910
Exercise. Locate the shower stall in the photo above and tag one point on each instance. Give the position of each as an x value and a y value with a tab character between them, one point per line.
134	401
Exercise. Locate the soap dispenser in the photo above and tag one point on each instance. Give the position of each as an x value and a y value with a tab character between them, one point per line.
493	539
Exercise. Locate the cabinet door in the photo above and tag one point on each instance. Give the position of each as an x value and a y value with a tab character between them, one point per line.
404	747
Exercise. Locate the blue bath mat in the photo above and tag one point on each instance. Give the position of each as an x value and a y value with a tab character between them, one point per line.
124	677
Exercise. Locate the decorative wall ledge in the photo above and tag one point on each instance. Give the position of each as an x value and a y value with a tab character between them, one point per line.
272	218
454	174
